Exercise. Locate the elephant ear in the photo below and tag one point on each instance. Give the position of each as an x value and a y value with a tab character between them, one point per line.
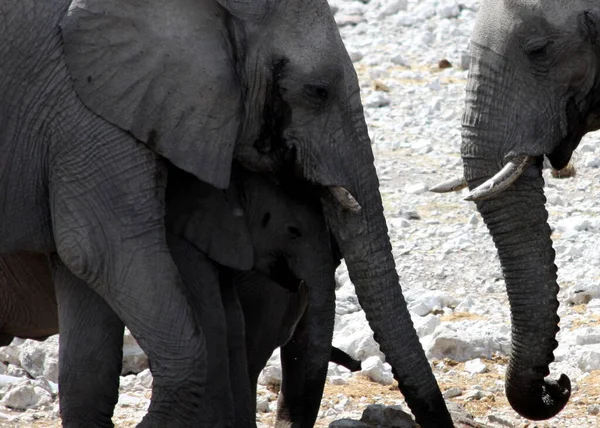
162	70
246	10
210	219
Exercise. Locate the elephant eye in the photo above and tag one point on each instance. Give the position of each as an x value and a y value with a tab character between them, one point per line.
319	93
537	48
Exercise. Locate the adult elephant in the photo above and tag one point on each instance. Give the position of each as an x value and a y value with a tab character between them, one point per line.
199	82
271	84
533	91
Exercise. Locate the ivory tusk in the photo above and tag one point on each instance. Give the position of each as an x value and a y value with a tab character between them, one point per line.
451	185
345	199
502	180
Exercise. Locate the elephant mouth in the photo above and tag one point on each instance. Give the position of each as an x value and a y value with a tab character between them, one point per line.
283	275
560	157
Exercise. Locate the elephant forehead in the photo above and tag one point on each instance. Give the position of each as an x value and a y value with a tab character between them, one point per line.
502	26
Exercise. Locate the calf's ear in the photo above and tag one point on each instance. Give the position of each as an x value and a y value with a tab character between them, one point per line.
247	10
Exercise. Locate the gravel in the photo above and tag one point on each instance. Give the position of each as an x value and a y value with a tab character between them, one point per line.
444	254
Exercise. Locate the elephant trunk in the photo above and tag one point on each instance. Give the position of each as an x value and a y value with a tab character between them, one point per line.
517	221
366	247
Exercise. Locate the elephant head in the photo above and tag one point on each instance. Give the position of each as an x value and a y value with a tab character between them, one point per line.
533	91
269	83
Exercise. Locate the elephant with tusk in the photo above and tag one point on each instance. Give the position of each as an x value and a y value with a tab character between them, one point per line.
533	92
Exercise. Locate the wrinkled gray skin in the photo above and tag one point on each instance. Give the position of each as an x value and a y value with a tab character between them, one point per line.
293	248
198	82
533	89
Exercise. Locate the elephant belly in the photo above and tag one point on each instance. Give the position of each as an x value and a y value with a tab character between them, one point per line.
28	307
25	224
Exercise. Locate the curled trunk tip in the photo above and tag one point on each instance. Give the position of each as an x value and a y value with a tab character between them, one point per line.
542	404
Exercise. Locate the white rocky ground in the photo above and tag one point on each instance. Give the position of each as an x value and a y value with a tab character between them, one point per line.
444	254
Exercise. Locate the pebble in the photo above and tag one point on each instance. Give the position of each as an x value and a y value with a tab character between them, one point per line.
426	325
502	421
337	380
25	395
377	100
453	392
40	358
356	56
393	8
416	188
398	59
271	375
448	9
387	416
475	366
466	340
262	405
589	358
377	371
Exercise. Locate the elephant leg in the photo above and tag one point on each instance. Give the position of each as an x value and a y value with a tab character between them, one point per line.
304	362
90	352
107	208
245	406
203	291
264	304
